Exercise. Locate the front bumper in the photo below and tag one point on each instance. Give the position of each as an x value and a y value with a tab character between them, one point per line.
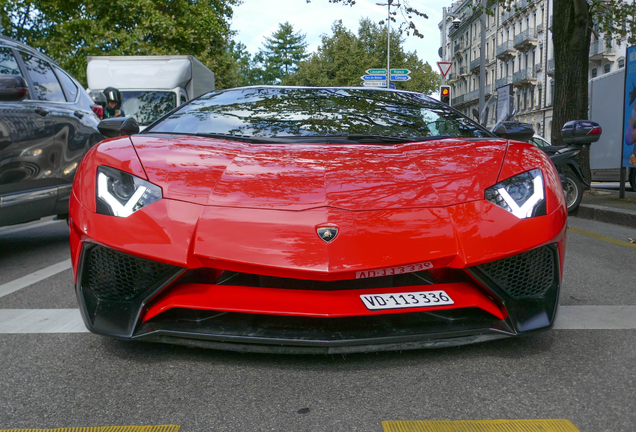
132	298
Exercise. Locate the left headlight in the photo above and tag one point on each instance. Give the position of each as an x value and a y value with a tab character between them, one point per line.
121	194
522	195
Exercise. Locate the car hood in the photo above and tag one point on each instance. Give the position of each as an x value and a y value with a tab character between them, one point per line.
301	176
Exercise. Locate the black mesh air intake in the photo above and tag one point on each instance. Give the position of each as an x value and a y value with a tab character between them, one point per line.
113	275
527	275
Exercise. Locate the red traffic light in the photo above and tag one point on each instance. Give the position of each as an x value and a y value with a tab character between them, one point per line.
445	91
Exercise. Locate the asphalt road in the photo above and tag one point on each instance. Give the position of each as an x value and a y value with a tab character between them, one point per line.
80	379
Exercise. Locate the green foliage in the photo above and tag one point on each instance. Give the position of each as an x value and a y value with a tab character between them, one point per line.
71	30
279	56
343	58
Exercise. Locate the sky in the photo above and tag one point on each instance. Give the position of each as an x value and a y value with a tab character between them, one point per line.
255	19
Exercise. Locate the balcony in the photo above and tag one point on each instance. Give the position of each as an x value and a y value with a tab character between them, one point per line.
471	96
503	81
526	39
550	68
450	76
463	71
505	50
524	77
457	100
456	48
507	15
538	67
540	28
600	50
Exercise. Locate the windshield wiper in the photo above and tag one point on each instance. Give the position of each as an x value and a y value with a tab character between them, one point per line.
388	139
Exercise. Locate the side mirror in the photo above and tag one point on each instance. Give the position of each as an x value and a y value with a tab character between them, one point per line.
118	126
581	132
514	130
12	88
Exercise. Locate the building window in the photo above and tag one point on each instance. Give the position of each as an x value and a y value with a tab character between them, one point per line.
552	92
525	99
540	95
531	97
621	63
594	73
606	68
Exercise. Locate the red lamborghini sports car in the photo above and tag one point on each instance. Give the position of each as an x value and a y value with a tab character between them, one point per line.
316	220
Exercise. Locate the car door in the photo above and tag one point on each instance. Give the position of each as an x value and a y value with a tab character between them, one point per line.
27	191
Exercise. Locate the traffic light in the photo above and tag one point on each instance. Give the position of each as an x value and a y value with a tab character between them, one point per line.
444	94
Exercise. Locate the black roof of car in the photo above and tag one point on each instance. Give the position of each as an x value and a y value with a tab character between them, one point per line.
7	41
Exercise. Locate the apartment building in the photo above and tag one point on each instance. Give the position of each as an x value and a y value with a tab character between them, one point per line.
518	52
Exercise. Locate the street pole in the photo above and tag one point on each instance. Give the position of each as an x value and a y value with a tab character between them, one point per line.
444	41
482	61
388	43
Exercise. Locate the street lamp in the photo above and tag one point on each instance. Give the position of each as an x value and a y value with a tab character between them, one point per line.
388	39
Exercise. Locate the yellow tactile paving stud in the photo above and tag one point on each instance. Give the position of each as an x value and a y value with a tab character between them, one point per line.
163	428
480	426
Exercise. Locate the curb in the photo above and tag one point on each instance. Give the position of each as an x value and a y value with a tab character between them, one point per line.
606	214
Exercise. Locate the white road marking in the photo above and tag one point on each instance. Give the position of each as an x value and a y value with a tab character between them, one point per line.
41	321
70	321
30	279
25	227
596	318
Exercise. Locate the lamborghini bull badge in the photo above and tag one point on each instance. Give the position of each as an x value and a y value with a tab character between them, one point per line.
327	233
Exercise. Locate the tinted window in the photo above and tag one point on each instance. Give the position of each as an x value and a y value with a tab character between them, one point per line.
291	112
46	85
69	86
147	106
8	63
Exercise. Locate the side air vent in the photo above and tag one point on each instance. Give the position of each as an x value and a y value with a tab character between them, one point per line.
113	275
527	275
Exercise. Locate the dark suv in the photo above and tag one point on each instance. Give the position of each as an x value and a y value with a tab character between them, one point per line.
47	124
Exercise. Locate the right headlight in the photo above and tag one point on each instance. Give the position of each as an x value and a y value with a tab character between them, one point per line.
121	194
522	195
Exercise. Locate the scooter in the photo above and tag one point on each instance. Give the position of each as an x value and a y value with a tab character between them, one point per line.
577	135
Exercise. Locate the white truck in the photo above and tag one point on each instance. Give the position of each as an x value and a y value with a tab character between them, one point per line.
606	108
151	86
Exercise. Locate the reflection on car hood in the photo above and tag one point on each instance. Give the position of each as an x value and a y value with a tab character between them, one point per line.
301	176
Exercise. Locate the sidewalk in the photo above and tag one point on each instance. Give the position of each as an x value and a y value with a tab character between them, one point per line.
605	206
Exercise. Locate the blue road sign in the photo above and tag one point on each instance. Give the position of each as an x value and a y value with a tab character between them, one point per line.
400	77
392	85
374	77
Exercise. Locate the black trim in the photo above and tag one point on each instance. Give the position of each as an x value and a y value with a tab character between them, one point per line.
528	314
113	317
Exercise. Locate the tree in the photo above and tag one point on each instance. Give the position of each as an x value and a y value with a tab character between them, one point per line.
71	30
343	57
279	56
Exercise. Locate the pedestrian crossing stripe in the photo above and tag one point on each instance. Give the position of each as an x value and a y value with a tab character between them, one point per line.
480	426
162	428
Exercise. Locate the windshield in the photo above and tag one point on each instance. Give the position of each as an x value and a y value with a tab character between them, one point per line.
318	112
147	106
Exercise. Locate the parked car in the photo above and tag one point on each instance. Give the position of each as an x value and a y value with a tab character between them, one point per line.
47	124
324	220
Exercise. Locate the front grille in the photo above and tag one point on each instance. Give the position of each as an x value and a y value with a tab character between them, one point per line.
527	275
113	275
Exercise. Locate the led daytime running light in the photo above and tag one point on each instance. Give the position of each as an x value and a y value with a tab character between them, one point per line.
525	211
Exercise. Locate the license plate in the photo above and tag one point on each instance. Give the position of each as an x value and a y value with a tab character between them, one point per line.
411	268
406	300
